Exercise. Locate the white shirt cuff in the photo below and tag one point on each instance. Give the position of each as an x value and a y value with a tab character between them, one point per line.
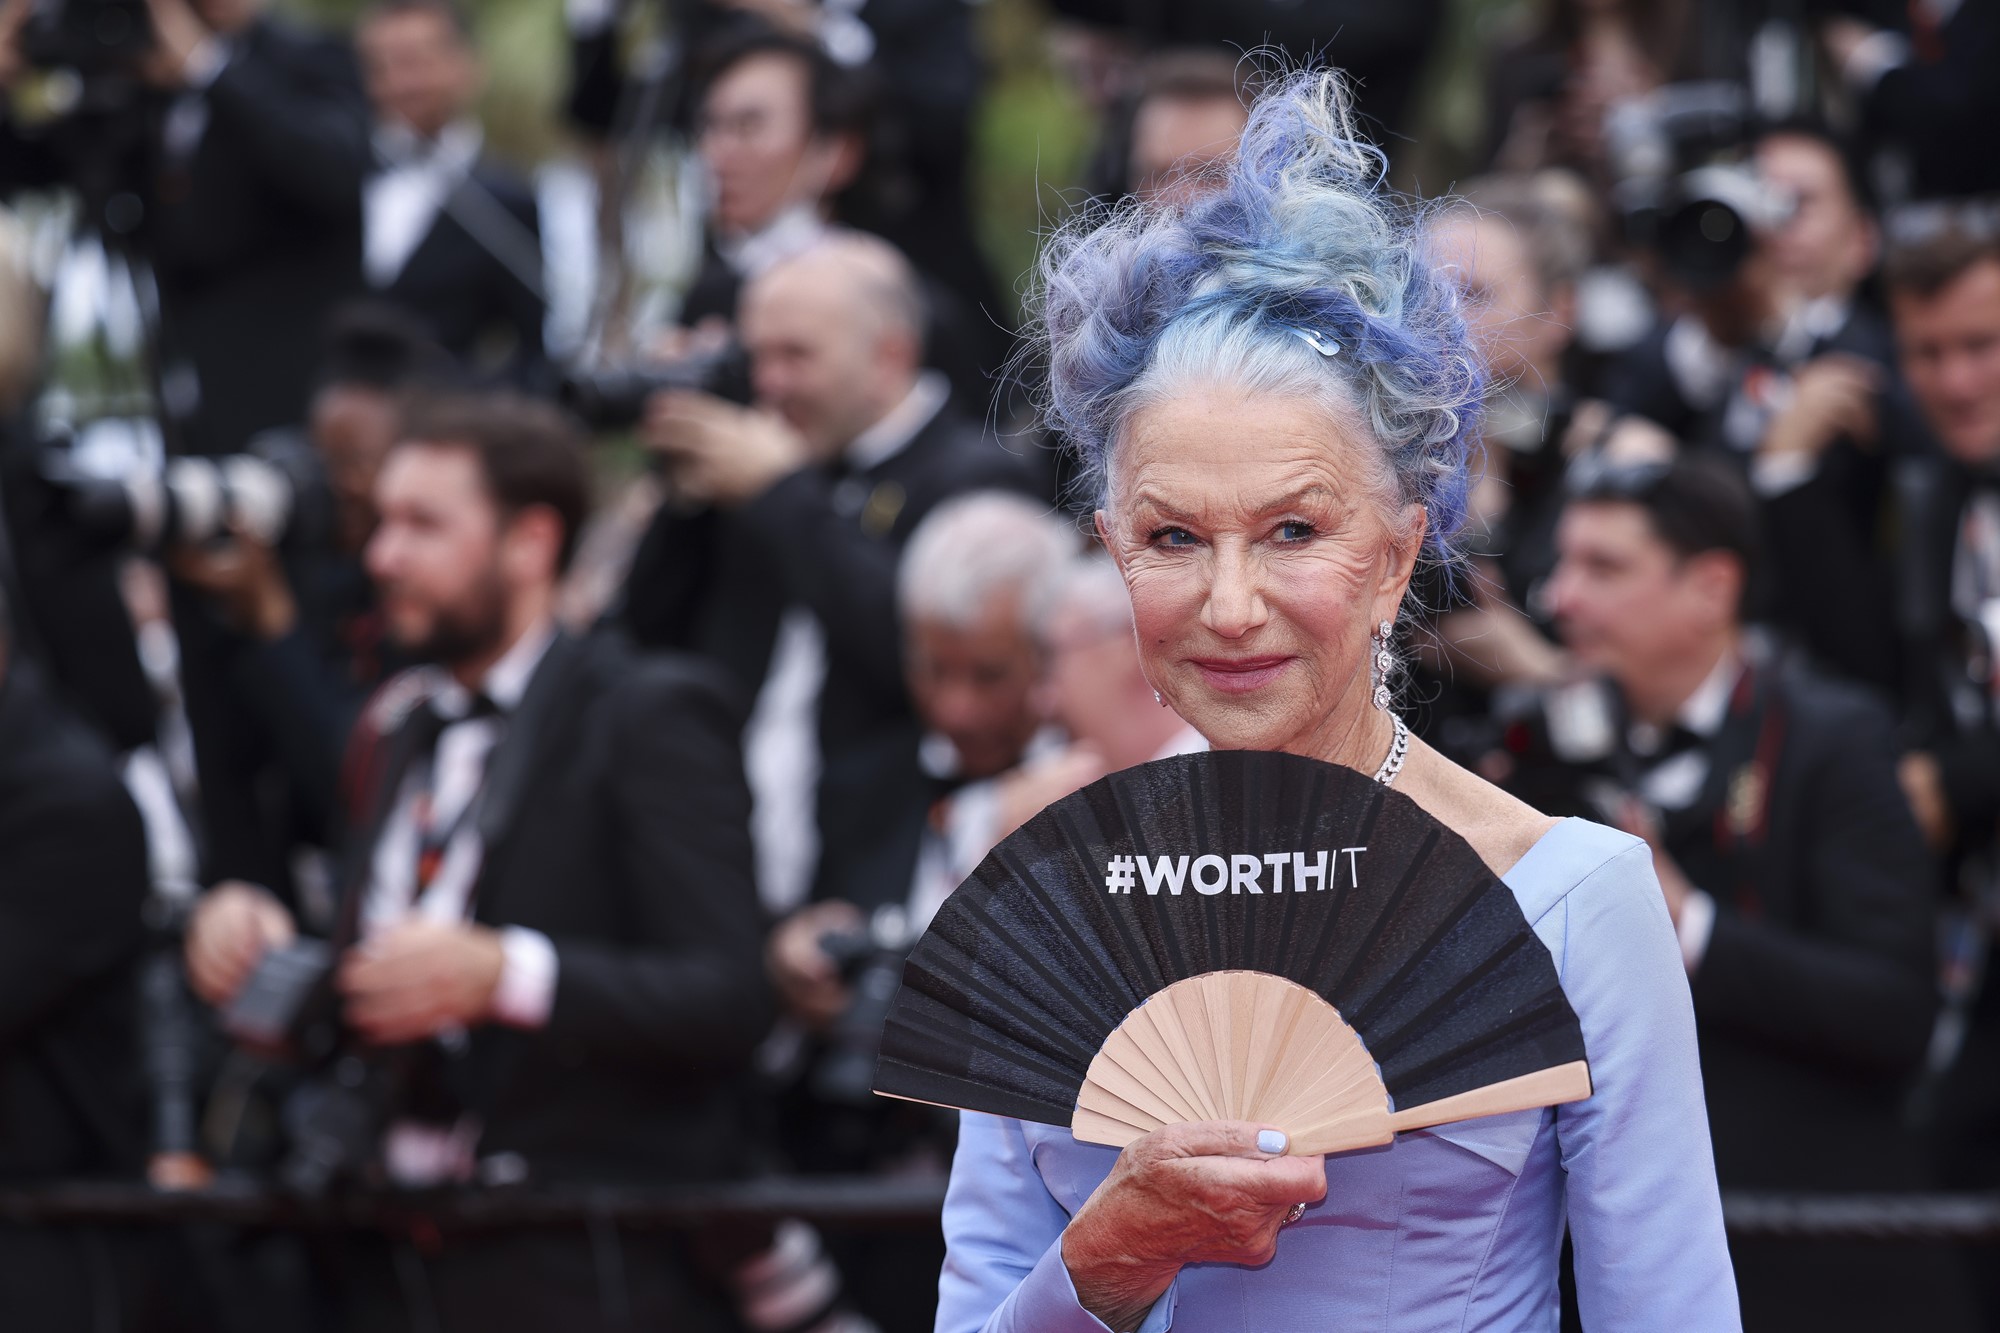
1772	475
1697	923
1873	57
526	991
204	64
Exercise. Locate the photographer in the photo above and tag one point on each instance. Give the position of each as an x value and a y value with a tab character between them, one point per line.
892	86
74	878
1780	364
966	587
1944	296
450	235
1794	874
781	130
297	636
229	155
775	556
548	938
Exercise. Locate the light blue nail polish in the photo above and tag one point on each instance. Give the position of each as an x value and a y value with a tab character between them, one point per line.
1270	1141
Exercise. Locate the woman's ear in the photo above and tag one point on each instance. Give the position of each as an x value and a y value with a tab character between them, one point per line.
1102	526
1406	540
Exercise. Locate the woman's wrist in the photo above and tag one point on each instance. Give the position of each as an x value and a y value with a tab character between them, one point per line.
1117	1286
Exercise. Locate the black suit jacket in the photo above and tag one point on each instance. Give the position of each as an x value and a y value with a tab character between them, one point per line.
615	821
717	583
1937	107
72	880
461	284
253	232
1815	998
1870	543
1942	705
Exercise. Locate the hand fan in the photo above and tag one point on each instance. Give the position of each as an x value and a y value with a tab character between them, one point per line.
1233	935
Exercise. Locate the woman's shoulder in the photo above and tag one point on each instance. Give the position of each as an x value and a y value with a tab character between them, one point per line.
1501	827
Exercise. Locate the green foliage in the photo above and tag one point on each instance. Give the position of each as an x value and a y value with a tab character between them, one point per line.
1032	138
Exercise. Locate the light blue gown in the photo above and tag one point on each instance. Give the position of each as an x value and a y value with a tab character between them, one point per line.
1454	1228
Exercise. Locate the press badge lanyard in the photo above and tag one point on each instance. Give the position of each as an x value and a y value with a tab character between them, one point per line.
434	839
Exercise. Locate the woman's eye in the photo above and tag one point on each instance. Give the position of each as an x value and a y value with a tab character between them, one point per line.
1296	531
1173	537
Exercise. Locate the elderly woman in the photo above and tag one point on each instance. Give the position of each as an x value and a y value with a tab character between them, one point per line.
1278	395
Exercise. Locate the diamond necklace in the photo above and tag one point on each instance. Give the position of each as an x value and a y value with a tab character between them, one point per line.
1399	746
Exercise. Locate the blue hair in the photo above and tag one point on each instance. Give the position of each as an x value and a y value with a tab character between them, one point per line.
1140	301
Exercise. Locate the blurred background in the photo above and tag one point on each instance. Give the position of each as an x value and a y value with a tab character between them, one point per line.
529	567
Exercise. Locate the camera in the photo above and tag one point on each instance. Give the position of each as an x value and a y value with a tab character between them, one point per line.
614	397
275	492
870	961
1685	187
334	1119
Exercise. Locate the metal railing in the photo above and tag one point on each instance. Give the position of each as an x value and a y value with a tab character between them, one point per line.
838	1202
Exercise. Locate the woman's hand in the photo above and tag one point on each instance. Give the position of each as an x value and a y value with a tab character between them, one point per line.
1209	1192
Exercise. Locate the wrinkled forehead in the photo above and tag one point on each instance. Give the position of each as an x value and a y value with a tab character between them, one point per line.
1216	448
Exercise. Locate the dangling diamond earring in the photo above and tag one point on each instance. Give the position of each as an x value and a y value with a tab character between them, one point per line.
1381	662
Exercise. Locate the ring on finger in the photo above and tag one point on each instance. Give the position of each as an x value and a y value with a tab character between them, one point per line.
1297	1211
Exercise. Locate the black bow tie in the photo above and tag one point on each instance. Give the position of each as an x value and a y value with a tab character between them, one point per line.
1674	740
428	721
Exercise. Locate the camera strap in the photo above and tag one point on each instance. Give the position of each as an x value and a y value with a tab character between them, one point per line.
1734	808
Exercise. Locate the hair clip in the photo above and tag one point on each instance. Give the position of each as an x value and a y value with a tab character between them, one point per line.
1318	342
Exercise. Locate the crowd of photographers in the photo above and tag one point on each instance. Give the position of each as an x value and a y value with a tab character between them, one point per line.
384	804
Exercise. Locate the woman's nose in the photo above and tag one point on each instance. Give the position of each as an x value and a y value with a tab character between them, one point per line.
1235	604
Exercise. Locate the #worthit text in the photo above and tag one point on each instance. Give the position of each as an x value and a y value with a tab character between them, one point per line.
1241	873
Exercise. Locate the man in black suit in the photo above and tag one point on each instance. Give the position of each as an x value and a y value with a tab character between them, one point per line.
236	173
72	881
304	647
449	233
1944	296
238	176
1795	875
888	86
776	556
1779	367
548	928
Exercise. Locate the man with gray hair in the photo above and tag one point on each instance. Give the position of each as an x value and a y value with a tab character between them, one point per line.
969	581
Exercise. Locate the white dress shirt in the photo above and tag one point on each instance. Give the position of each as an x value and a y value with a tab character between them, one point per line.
781	756
400	202
792	232
423	1154
1975	569
1674	783
526	990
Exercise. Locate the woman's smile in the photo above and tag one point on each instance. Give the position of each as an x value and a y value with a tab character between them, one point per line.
1241	675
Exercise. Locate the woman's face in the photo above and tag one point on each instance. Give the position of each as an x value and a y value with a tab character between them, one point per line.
1251	535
